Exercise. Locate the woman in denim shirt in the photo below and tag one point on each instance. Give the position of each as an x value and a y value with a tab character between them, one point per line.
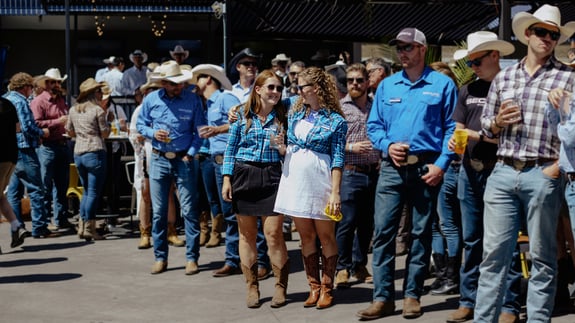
311	177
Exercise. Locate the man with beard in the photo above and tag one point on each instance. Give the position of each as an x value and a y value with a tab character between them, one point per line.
411	124
50	111
353	233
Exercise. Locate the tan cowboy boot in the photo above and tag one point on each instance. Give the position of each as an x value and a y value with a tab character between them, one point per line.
328	272
251	275
145	237
281	275
81	228
216	236
173	237
90	231
311	264
204	227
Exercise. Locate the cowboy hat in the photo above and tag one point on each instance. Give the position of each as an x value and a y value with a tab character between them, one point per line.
179	50
171	71
88	86
280	58
138	52
214	71
545	14
106	90
54	74
481	41
109	60
151	83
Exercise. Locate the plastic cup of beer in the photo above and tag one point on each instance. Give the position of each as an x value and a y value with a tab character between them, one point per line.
460	137
405	146
515	105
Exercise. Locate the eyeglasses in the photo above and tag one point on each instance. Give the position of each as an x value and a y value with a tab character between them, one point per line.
477	61
300	87
359	80
248	64
407	48
542	32
272	87
371	70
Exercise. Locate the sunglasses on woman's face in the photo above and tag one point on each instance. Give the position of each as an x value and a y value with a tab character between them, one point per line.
272	87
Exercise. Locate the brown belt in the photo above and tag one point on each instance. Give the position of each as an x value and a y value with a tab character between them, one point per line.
170	154
523	164
364	169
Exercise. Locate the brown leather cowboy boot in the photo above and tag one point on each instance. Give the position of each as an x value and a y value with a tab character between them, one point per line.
281	275
311	264
327	274
251	275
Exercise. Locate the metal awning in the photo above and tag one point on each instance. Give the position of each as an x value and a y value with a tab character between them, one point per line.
21	8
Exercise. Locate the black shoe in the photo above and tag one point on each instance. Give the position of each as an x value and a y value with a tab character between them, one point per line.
18	236
45	233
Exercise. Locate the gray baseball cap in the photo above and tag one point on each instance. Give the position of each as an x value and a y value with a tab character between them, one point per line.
409	35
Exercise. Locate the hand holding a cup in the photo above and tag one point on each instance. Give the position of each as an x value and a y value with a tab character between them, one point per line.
162	135
398	153
509	113
459	140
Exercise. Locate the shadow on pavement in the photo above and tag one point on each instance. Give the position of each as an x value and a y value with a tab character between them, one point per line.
54	246
31	262
39	278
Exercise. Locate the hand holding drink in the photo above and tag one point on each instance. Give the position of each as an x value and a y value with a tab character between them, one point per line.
404	145
511	109
460	136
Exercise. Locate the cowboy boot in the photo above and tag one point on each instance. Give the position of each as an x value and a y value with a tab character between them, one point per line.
145	237
81	228
90	231
281	275
173	236
440	266
451	278
251	275
204	227
327	274
216	236
311	264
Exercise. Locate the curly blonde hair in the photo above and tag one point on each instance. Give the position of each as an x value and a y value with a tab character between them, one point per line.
20	80
326	90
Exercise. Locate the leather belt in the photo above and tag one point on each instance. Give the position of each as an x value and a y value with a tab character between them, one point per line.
62	142
364	169
520	165
170	154
425	157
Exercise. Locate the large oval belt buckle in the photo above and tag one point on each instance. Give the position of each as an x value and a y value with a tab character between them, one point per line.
170	155
476	164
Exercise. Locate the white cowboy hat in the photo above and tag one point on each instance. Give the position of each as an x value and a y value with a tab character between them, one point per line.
481	41
214	71
171	71
151	83
109	60
281	57
54	74
138	52
179	50
88	86
545	14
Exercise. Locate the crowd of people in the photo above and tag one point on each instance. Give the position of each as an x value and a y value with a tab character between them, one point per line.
351	153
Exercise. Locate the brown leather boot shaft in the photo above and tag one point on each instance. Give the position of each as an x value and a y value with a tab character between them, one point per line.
311	264
251	276
327	274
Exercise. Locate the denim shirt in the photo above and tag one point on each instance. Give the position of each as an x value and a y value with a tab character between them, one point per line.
30	134
566	133
218	106
327	135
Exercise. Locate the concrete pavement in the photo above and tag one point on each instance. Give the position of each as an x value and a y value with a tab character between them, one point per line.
66	279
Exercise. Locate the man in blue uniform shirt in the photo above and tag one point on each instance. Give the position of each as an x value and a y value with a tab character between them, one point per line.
410	122
170	117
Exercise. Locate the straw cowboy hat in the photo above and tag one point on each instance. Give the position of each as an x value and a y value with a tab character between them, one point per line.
481	41
281	57
138	52
179	50
109	60
545	14
87	87
214	71
106	90
151	83
171	71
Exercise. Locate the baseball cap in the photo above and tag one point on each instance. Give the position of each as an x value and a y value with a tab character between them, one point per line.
409	35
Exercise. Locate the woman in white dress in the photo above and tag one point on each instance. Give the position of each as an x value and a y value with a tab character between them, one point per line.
311	177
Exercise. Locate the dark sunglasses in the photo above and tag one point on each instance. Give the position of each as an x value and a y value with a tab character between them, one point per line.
359	80
407	48
272	87
300	87
542	32
477	61
54	82
248	64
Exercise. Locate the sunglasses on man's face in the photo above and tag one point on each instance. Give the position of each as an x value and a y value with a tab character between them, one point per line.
406	48
248	64
359	80
542	32
272	87
477	61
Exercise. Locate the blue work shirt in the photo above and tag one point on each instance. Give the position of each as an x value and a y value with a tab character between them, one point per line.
30	134
327	135
180	115
566	133
218	104
418	112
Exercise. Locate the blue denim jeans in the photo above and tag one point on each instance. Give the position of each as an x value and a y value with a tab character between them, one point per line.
570	199
92	171
357	198
232	234
470	190
162	173
395	187
210	187
512	197
27	175
449	211
55	165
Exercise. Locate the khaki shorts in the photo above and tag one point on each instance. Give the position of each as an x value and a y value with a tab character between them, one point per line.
6	170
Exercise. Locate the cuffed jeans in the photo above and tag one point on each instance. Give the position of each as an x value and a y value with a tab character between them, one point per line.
27	175
396	186
357	199
511	197
470	190
92	171
162	173
55	165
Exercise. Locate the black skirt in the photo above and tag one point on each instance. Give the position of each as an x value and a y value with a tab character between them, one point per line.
254	188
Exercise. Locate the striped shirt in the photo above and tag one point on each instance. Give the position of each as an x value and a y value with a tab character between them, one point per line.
532	137
357	131
327	135
253	146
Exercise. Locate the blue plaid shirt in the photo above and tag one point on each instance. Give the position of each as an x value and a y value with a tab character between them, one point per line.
253	146
326	136
30	134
